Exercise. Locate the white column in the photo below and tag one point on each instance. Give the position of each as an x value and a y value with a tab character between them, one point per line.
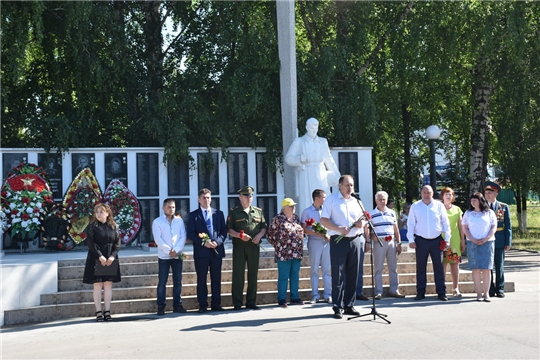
287	58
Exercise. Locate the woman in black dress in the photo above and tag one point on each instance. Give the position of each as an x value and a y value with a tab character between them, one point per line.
103	243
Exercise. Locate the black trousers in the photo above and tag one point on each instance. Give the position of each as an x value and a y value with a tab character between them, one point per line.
345	260
429	248
202	265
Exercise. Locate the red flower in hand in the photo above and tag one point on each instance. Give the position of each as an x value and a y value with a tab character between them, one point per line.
241	234
310	222
388	238
367	215
442	245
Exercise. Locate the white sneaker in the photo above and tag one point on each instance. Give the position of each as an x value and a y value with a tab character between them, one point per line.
329	300
314	300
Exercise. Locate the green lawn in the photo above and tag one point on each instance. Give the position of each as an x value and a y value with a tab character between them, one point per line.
529	240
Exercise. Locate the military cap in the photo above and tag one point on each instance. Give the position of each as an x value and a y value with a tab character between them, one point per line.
246	190
490	185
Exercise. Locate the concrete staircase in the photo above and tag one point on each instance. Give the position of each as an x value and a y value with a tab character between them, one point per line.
136	293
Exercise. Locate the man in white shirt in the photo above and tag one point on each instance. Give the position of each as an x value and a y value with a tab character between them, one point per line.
425	225
342	215
170	237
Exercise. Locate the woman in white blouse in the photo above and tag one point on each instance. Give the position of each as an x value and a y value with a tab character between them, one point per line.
479	226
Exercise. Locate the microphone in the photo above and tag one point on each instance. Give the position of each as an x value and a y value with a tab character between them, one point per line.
356	196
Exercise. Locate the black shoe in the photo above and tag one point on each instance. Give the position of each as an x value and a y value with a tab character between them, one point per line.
237	307
217	308
99	316
350	311
179	309
161	311
282	303
499	294
442	297
252	307
338	313
362	297
201	310
107	315
297	302
419	297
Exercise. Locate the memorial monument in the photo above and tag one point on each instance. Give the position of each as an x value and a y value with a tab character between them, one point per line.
315	167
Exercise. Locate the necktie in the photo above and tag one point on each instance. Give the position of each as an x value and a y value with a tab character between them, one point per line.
493	206
208	223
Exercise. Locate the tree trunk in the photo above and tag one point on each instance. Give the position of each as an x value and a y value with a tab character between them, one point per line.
154	60
411	181
479	131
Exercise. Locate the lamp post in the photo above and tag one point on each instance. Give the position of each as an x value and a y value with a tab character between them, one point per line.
433	133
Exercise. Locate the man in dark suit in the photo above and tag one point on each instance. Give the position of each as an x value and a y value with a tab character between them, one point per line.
503	237
207	254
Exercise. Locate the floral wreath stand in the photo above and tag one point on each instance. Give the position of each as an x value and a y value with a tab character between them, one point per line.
24	196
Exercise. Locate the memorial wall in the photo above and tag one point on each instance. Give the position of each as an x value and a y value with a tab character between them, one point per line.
142	170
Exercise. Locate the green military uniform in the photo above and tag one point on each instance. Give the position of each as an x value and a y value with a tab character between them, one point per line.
245	251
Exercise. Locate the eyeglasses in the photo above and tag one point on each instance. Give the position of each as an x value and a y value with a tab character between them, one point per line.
247	195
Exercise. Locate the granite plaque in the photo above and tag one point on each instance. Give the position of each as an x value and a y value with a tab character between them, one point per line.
266	180
348	165
80	161
150	209
237	172
178	179
147	174
11	161
208	171
269	206
116	168
52	165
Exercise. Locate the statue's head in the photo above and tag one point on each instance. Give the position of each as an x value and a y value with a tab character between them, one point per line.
312	126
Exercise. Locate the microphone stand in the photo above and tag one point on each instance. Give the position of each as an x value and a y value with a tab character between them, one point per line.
374	311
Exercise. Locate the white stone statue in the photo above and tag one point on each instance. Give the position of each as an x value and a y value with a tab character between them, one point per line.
315	166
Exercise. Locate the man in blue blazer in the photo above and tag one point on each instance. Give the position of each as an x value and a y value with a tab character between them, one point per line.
503	237
207	254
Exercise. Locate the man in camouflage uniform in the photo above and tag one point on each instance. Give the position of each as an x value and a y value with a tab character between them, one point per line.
247	226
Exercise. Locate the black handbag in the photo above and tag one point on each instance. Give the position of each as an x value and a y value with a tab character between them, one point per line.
111	270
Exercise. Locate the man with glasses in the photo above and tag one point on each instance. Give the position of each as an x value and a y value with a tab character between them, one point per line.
207	254
170	237
247	226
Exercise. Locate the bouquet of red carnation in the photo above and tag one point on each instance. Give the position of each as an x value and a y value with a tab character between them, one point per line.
316	226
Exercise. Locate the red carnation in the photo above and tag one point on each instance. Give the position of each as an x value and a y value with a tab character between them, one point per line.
83	236
60	245
310	222
14	212
367	215
25	217
442	245
388	238
26	200
241	234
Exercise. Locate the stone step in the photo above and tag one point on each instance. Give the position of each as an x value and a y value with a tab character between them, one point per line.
150	277
266	283
74	269
45	313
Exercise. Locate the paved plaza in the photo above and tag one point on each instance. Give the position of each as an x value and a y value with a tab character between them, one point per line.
458	329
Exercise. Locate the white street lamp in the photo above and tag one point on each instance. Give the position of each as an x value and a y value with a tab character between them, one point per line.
433	133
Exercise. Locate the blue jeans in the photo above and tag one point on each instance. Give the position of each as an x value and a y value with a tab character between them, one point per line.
288	270
163	276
